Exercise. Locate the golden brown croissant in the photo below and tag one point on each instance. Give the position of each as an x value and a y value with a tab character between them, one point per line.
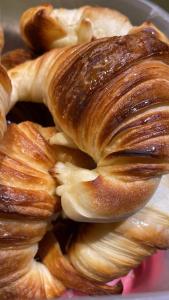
44	27
103	252
27	206
110	98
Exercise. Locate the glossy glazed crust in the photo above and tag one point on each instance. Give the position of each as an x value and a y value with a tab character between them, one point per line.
27	203
44	27
110	97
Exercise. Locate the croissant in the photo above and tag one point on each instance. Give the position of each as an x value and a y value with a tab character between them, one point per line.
27	202
110	99
44	27
27	206
103	252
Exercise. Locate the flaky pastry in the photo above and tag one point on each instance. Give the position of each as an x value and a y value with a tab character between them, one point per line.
103	252
27	202
103	162
110	99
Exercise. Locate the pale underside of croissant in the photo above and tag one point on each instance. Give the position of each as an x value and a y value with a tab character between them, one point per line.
27	206
110	99
44	27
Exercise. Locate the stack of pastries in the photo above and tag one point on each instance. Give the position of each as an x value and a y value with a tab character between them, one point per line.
86	200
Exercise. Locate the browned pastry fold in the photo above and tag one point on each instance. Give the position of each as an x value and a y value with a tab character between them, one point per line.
148	26
16	57
27	203
103	252
62	269
44	27
110	98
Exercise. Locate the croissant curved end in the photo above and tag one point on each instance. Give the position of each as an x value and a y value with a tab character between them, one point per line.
121	247
39	29
44	27
88	196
